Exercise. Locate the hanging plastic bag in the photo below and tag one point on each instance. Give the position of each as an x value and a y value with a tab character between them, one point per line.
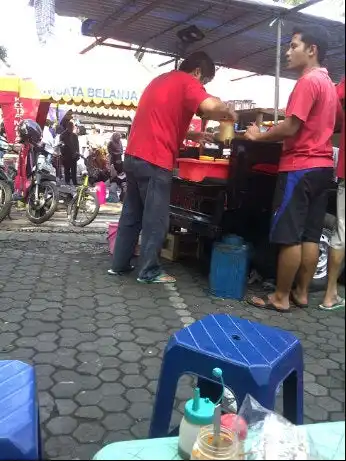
271	436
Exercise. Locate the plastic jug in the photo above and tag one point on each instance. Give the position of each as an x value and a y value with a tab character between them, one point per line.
100	189
198	413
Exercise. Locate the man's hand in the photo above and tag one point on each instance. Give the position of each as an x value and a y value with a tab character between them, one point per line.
200	137
252	132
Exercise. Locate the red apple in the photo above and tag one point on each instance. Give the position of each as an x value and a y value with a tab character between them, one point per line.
235	423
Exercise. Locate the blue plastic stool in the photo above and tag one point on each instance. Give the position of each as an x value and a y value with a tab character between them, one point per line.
255	359
19	412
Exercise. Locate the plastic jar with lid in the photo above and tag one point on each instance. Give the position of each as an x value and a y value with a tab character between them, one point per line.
227	446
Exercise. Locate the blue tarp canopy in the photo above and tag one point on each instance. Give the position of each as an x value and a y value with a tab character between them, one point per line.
236	33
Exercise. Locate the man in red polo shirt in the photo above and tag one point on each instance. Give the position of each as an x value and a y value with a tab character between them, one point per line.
332	300
162	119
305	170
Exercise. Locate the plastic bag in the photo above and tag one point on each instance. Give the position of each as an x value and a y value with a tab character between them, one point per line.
272	437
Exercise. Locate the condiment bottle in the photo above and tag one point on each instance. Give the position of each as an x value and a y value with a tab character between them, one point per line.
198	412
225	447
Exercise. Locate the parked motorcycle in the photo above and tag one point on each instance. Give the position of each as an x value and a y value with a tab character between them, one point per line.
6	179
41	195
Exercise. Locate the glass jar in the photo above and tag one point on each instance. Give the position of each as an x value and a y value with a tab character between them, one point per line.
227	447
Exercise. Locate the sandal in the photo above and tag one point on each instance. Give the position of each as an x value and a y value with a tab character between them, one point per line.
123	272
339	304
267	306
297	303
162	278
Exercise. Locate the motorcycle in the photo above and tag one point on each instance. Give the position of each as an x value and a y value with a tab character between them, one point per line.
42	195
6	179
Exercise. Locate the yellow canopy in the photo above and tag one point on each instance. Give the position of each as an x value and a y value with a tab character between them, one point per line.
24	87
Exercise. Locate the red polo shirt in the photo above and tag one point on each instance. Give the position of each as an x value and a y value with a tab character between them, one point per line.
314	101
163	116
340	170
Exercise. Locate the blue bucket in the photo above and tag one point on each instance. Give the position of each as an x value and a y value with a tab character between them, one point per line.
229	270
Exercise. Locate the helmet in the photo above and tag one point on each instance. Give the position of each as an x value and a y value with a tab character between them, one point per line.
29	131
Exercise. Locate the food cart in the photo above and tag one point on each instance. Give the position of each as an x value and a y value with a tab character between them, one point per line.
240	34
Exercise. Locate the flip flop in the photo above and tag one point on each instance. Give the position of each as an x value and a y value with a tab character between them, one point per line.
268	306
162	278
339	304
123	272
297	303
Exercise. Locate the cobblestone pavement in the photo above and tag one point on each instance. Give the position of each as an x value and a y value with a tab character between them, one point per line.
97	341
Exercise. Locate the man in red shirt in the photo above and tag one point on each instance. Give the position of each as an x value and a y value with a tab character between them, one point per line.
162	119
332	300
305	170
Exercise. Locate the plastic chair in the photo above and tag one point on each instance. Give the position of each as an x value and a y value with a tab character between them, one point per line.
255	359
19	412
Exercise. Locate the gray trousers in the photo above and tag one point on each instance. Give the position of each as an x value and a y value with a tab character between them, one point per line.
146	209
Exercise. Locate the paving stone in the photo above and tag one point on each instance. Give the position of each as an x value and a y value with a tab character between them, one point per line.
86	451
110	375
88	398
338	394
338	416
138	395
110	362
89	433
117	422
316	369
329	364
44	370
130	368
60	446
91	412
130	356
65	406
65	390
141	410
113	403
135	381
140	430
44	383
117	436
61	425
112	389
329	404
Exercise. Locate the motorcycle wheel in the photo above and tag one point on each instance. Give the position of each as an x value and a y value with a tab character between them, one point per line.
5	199
38	214
88	199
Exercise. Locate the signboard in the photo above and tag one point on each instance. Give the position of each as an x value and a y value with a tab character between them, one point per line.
106	95
242	104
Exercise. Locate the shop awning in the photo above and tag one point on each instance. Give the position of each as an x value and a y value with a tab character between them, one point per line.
236	33
103	111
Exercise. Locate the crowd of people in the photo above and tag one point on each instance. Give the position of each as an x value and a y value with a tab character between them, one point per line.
306	169
101	156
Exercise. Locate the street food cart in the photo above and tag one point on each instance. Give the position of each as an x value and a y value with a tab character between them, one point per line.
240	34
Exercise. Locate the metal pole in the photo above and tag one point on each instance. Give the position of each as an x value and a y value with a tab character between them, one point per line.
176	63
277	71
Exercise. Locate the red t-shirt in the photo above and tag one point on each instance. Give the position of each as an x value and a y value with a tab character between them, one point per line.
314	101
163	116
340	169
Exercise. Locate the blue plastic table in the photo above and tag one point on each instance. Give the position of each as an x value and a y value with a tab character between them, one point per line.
328	439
